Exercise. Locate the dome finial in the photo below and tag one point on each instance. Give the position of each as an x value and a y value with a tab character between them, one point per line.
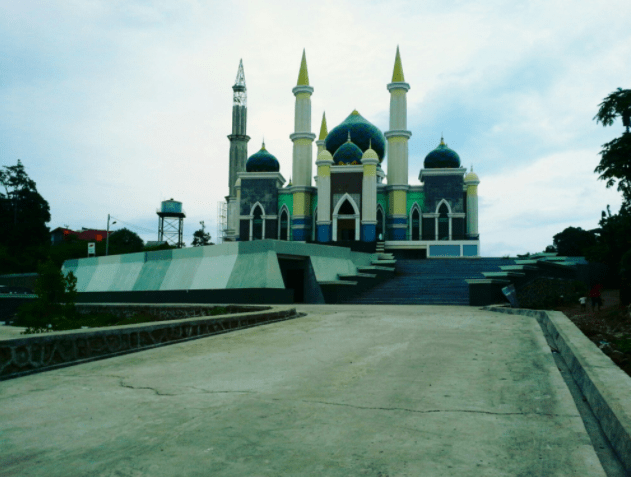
323	129
349	136
397	74
370	143
240	81
442	141
303	75
263	146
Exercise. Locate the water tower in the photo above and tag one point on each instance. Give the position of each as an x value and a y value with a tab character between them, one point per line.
170	223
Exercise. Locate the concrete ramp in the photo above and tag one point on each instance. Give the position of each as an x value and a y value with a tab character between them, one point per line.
344	391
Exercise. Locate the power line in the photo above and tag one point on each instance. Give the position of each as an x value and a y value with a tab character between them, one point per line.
138	227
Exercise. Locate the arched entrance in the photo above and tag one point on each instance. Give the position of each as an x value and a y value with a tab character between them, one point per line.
346	220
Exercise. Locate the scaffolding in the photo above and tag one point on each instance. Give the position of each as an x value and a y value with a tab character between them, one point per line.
222	221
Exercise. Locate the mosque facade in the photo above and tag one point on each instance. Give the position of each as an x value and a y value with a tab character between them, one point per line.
351	200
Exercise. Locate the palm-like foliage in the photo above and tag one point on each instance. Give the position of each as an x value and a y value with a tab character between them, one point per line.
616	104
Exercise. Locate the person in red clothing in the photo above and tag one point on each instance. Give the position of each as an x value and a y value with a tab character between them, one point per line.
594	294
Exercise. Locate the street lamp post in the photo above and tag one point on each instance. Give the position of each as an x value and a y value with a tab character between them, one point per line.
107	235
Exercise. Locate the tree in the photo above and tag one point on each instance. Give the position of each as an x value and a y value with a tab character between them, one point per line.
125	241
615	160
201	238
573	242
23	211
614	239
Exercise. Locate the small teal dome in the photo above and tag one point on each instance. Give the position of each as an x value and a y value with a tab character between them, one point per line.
364	135
442	157
262	161
347	154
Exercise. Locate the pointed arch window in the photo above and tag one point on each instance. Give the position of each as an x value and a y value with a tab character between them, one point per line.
257	222
314	222
380	224
284	224
443	222
415	224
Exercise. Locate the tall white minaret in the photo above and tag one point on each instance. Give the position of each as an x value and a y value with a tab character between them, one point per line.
398	137
302	155
238	151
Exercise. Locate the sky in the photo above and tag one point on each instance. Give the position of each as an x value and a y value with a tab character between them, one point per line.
113	106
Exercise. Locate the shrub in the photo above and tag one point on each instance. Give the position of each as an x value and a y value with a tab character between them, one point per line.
54	308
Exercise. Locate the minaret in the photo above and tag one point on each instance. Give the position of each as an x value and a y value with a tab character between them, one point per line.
370	160
238	138
471	182
323	134
302	155
397	137
238	150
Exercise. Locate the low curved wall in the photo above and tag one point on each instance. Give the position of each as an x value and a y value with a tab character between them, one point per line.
41	352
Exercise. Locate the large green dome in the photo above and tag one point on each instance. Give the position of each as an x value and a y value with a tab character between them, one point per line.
262	161
442	157
363	134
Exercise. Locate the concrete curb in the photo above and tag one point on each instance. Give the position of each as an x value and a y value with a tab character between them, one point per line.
46	351
605	386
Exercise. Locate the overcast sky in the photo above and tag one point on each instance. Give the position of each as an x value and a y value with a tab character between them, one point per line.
114	106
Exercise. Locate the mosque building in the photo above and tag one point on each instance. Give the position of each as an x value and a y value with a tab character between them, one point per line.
351	201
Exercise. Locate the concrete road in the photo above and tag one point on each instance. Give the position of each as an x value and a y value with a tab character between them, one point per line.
346	390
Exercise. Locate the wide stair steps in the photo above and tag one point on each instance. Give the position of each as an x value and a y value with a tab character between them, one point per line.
427	282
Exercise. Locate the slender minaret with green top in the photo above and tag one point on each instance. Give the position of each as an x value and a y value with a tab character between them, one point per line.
398	137
302	155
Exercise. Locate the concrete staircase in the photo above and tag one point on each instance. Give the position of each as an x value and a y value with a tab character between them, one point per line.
349	285
427	282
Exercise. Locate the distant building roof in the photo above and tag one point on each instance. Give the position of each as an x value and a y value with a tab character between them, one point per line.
92	235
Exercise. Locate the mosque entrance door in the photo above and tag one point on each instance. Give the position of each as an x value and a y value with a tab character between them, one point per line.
345	230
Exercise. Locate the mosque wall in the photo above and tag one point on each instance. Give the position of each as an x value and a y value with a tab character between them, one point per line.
265	192
448	187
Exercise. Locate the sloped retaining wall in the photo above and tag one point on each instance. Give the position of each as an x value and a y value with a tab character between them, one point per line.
46	351
605	386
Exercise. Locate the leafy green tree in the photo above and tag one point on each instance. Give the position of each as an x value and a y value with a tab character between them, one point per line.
23	211
55	303
25	238
125	241
573	242
613	241
201	238
615	161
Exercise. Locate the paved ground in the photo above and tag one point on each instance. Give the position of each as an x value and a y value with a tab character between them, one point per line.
347	390
11	332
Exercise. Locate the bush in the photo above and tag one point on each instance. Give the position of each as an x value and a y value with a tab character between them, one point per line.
548	293
54	308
